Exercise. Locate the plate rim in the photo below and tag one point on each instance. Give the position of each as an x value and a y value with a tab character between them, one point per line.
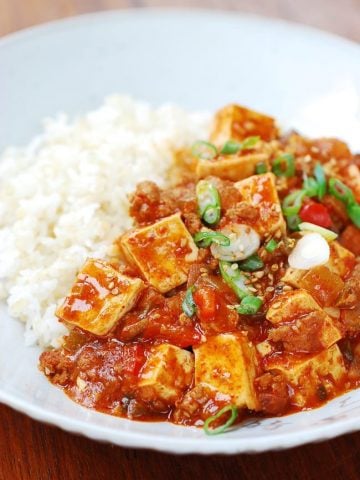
178	445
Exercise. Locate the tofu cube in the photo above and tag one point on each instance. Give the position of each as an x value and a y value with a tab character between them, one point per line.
167	373
227	363
291	305
260	192
293	276
231	167
341	261
300	324
234	122
306	374
163	252
325	286
99	298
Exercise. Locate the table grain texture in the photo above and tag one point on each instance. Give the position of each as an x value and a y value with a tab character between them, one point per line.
32	451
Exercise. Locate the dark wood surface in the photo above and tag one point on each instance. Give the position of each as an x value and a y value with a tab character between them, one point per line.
33	451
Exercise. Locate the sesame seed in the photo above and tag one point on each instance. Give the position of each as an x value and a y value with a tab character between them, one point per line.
278	234
287	288
259	274
270	289
234	266
111	285
276	305
274	267
115	291
252	289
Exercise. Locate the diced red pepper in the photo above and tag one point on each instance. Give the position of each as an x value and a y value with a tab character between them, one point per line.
316	213
205	299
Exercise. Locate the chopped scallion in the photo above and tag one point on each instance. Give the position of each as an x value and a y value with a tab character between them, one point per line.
232	146
261	168
188	305
205	239
310	186
292	203
284	166
329	235
204	150
271	246
293	222
251	264
208	200
249	305
340	191
321	180
234	278
354	213
220	413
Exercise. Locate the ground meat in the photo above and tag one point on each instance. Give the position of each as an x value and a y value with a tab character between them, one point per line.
350	239
272	393
241	212
350	295
56	366
149	204
192	222
198	402
301	337
337	211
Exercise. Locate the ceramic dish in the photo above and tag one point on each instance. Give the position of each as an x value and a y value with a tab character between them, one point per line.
200	60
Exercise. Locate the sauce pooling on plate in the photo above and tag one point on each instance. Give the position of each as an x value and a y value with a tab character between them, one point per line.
236	293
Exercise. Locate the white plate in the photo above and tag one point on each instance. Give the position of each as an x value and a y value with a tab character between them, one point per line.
199	60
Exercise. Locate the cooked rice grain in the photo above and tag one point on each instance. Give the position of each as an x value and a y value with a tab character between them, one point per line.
63	198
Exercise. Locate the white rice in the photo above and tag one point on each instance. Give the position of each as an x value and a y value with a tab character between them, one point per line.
63	198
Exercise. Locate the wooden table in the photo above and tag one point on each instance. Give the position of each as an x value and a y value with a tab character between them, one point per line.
32	451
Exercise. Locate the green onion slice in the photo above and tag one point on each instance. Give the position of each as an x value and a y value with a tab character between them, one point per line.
293	222
204	150
251	264
205	239
311	187
232	146
188	305
340	191
292	203
234	278
354	213
329	235
271	246
250	142
220	413
284	166
208	200
260	168
249	305
321	180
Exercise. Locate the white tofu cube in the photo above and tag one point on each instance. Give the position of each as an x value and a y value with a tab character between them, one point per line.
99	298
341	261
235	122
227	363
305	374
300	324
167	373
231	167
260	191
163	252
291	305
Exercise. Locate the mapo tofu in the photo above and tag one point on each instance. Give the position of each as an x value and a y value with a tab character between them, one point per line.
236	292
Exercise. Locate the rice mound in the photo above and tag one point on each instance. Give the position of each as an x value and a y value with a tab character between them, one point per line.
64	198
